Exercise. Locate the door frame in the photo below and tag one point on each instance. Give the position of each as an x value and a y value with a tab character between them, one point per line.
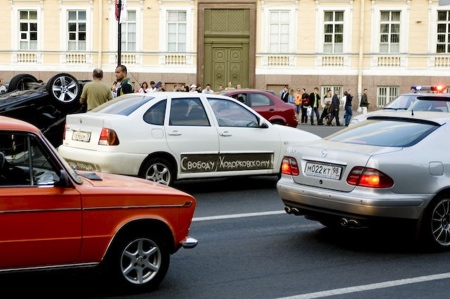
233	4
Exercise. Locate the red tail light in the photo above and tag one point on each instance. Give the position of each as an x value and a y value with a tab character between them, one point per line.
108	137
64	132
289	166
369	177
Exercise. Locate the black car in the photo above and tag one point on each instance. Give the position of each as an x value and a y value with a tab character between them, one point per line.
44	105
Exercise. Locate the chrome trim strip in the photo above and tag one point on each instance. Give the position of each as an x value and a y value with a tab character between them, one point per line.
40	268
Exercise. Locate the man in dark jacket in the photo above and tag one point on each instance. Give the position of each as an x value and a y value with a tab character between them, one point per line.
314	100
285	94
335	102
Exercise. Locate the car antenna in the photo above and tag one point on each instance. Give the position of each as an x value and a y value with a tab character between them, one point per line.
412	112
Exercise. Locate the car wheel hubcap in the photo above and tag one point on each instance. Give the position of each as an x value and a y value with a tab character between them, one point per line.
158	173
440	222
141	261
65	89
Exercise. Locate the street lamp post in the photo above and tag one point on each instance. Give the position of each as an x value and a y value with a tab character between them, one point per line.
119	32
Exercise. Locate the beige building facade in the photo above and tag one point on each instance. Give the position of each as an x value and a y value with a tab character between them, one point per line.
384	46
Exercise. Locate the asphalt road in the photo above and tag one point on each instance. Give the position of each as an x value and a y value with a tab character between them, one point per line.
249	248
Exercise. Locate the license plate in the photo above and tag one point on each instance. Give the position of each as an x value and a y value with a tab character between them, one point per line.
81	136
323	171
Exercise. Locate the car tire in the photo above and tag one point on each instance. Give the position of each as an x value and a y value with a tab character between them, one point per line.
20	82
158	170
278	122
138	262
435	225
65	91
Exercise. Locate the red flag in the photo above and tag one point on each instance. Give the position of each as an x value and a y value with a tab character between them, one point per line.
117	10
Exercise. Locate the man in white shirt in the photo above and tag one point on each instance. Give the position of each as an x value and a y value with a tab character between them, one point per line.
208	89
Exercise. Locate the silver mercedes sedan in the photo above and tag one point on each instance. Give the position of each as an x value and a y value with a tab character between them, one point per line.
392	169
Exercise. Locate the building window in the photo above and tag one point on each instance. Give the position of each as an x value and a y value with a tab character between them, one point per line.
28	29
129	32
386	94
443	32
333	89
76	26
279	32
390	32
333	32
176	31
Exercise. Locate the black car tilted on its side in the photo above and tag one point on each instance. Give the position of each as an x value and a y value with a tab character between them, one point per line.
44	105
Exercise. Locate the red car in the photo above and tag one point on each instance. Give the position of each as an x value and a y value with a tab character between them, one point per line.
266	104
53	217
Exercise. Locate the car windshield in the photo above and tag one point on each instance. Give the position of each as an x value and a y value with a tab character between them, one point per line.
386	132
402	102
430	103
123	106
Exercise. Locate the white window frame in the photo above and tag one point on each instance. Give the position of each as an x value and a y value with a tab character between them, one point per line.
64	33
77	21
163	33
15	28
433	30
386	94
113	24
265	30
124	27
177	23
348	24
404	26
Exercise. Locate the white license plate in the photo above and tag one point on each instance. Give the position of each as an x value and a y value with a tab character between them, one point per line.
323	171
81	136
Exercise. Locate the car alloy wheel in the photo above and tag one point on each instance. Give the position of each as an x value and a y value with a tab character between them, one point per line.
440	222
158	170
141	261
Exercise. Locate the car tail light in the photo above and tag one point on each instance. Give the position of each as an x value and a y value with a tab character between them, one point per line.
108	137
64	132
369	177
289	166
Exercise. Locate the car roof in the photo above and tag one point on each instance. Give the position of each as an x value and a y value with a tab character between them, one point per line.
9	123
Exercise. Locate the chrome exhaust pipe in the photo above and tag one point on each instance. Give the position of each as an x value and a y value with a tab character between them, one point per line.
288	209
354	223
296	211
344	222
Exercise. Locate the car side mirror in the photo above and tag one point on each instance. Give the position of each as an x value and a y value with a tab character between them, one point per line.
262	123
64	180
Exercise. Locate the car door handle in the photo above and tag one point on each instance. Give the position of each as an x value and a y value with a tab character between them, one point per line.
174	133
225	134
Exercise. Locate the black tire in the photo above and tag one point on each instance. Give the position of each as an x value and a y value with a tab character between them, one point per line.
435	225
138	262
278	122
65	91
20	82
159	170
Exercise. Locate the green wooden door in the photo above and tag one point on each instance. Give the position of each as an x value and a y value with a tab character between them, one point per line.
226	47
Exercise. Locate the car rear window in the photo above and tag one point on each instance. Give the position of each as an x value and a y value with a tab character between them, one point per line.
123	106
386	133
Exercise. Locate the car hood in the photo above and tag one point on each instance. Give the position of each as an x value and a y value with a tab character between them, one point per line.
122	182
291	136
344	155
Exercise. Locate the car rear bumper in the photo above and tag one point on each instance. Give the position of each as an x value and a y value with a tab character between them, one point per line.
89	160
361	202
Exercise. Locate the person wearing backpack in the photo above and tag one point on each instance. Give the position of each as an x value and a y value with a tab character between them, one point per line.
124	84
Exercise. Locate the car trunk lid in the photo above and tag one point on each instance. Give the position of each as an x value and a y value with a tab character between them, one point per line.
327	163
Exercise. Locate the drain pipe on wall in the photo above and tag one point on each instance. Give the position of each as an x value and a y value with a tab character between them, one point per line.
361	52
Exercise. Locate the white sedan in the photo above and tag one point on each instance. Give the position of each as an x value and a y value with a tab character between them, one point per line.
166	137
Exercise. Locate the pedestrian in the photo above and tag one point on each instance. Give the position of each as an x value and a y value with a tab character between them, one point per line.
144	87
348	107
208	89
158	87
291	98
95	92
314	99
326	108
114	89
305	105
298	102
285	94
193	88
364	102
335	103
124	83
2	87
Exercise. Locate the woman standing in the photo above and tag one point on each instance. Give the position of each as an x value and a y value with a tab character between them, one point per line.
327	104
